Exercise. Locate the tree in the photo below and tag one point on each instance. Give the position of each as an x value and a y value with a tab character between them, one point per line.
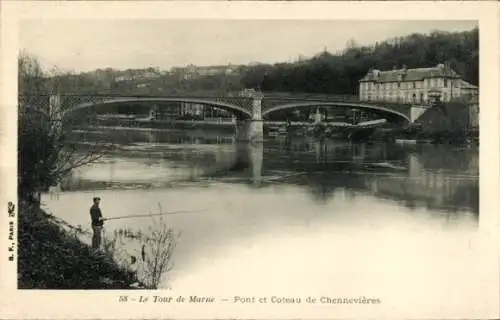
351	44
158	245
446	120
339	73
45	153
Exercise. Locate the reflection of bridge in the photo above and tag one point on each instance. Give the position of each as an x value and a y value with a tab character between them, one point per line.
248	111
413	177
408	182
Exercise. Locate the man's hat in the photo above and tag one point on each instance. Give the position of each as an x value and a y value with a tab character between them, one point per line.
97	198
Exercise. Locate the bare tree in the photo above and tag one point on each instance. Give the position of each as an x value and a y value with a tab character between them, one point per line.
154	258
157	248
45	152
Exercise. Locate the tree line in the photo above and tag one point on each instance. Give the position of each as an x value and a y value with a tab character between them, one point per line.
339	73
326	72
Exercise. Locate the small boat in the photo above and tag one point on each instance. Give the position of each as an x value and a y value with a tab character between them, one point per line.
406	141
385	165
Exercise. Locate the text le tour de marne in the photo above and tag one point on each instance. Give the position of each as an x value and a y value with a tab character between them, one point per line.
248	300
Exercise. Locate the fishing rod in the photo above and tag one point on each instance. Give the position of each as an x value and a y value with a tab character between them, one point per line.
151	215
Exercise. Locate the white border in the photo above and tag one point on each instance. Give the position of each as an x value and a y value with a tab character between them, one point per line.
92	304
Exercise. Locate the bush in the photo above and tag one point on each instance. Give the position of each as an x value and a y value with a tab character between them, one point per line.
445	122
158	245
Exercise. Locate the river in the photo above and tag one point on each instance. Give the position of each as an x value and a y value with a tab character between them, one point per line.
290	214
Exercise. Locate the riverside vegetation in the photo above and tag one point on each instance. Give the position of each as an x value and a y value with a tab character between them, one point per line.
52	254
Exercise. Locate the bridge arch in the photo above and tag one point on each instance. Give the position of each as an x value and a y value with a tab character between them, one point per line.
240	111
331	104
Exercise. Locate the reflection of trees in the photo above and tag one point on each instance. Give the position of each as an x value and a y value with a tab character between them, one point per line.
464	195
127	137
439	157
417	176
329	166
320	189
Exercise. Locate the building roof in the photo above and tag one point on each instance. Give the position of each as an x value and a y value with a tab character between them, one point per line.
467	85
404	74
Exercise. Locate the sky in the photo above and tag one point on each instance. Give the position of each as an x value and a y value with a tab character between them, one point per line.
84	45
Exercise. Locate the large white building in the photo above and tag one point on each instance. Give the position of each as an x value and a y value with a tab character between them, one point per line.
414	85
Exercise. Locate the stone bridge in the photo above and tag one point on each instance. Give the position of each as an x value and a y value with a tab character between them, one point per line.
249	111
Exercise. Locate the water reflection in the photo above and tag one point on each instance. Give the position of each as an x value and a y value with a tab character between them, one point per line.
437	177
260	200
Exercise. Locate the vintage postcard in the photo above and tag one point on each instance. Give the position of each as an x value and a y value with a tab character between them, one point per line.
249	160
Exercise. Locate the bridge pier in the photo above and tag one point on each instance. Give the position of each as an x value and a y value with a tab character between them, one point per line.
55	111
414	166
317	116
55	103
256	157
251	157
253	128
416	112
250	130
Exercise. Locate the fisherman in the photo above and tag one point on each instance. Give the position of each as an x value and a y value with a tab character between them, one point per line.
97	223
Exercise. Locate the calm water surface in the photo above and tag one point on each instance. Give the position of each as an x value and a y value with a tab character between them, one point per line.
288	214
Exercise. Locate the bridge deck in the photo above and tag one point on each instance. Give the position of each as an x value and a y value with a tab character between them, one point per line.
270	101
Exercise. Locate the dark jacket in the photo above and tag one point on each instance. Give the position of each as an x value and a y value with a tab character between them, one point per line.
95	214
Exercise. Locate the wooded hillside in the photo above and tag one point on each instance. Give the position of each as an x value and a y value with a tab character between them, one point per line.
326	72
339	73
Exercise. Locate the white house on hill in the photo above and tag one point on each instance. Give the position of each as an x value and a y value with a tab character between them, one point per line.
414	85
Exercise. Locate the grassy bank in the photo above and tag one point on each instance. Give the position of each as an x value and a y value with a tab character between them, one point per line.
52	258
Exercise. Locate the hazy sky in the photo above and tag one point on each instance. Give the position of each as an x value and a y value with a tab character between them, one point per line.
89	44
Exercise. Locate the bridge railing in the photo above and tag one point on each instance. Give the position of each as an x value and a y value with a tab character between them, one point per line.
201	94
310	96
218	95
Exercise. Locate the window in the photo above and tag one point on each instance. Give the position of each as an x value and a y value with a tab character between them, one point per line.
414	85
421	97
446	83
445	96
414	98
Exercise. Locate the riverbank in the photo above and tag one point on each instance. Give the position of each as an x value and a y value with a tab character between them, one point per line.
50	257
219	126
454	122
